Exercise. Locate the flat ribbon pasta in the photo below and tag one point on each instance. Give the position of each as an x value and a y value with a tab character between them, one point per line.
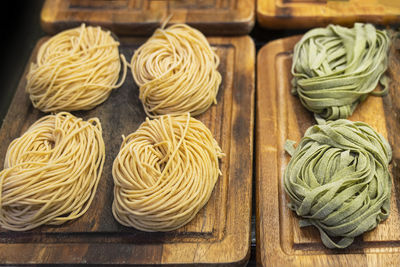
338	180
335	68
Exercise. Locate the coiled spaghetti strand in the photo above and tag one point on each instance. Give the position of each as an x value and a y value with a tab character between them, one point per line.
164	173
51	172
75	70
176	71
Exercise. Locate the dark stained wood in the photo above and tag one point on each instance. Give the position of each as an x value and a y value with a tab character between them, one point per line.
142	17
219	234
280	116
302	14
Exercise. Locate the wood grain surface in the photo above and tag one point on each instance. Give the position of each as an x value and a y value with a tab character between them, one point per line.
299	14
280	116
219	234
142	17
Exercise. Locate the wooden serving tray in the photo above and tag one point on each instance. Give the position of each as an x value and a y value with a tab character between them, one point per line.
142	17
297	14
281	116
219	234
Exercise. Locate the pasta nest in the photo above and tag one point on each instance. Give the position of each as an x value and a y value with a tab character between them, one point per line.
335	68
51	172
164	173
75	70
176	71
338	180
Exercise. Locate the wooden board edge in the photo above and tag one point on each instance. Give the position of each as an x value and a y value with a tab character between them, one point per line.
263	54
267	17
243	24
48	16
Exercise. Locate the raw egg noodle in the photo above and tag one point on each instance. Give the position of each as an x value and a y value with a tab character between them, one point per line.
164	173
51	172
75	70
176	71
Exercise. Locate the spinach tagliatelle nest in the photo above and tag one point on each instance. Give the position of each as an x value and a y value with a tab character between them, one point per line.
335	68
338	180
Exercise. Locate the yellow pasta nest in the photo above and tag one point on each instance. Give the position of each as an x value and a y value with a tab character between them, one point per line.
51	172
176	71
164	173
75	70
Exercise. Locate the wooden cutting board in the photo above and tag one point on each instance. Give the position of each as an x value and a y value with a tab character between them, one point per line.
142	17
297	14
219	234
280	116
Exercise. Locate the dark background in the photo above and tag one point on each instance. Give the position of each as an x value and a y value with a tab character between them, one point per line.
20	30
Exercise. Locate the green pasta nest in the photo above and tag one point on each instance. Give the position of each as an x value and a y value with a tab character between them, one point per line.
338	180
335	68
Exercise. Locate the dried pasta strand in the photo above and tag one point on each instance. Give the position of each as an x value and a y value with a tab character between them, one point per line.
176	71
75	70
51	172
164	173
335	68
338	180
